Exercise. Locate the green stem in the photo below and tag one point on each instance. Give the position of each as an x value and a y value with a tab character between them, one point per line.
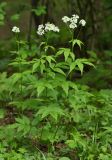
57	129
46	62
41	132
72	49
20	69
72	43
44	158
78	32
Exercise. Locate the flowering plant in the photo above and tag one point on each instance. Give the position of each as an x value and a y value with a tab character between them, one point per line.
73	21
15	29
44	91
48	27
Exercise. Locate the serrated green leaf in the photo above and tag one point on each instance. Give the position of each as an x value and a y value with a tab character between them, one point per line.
72	66
40	89
53	110
65	51
78	42
49	86
72	55
59	71
89	63
15	77
66	54
35	66
59	53
23	120
80	66
65	86
71	143
42	66
26	120
49	59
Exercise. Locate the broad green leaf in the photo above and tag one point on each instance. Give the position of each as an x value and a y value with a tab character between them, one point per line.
23	120
22	150
65	86
71	143
49	47
40	89
81	67
78	42
42	44
66	54
89	63
62	65
72	55
49	59
42	84
42	66
59	71
22	124
53	110
108	129
40	10
72	66
15	77
26	120
60	52
80	63
49	86
15	17
35	66
65	51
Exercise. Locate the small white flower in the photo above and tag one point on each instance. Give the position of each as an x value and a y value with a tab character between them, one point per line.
41	26
48	27
65	19
75	16
73	25
73	20
82	22
51	27
56	29
15	29
40	30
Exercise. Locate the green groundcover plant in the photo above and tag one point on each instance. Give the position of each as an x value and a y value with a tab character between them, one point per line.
45	114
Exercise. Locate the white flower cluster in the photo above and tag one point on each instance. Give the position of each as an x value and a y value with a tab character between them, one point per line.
82	22
42	29
15	29
73	21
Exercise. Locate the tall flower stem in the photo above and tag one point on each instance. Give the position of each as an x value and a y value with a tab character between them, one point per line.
79	32
20	69
46	62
